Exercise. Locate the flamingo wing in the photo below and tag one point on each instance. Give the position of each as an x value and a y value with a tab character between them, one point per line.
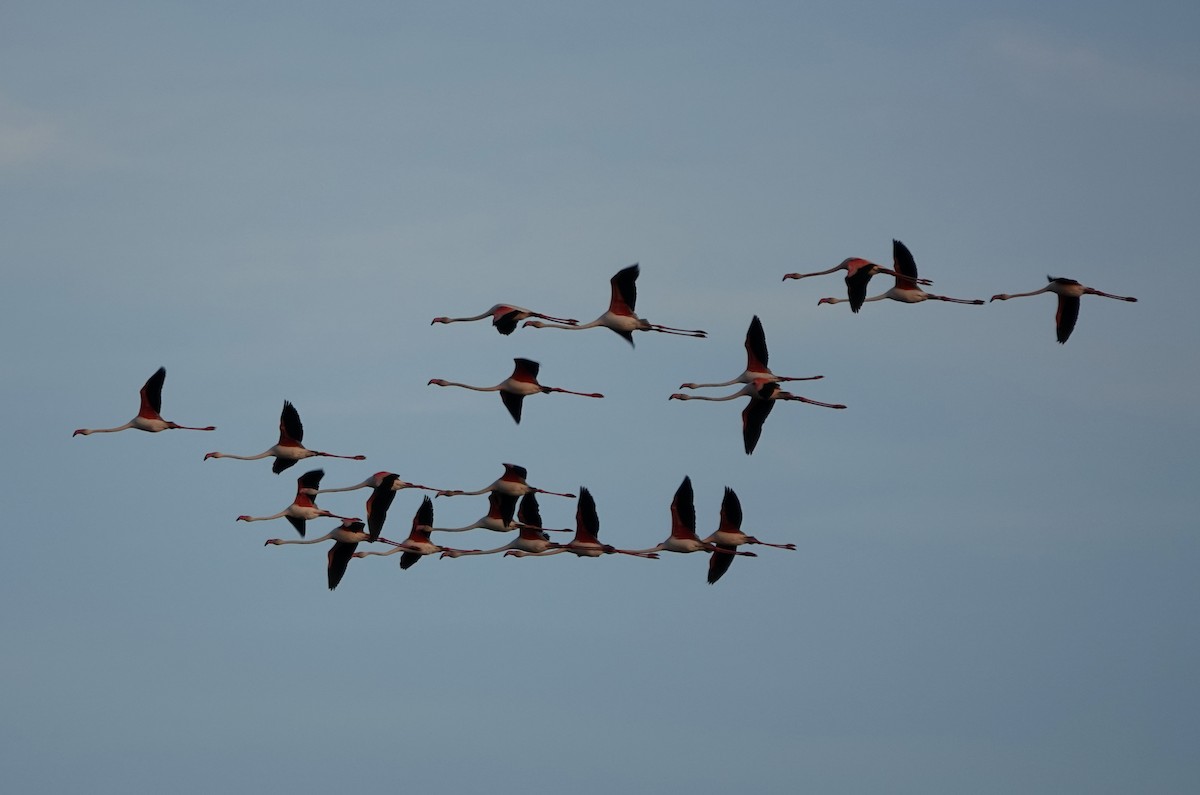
407	559
624	290
1064	319
587	520
151	395
297	523
338	559
291	430
719	562
856	285
525	370
424	515
753	417
310	480
513	403
731	512
281	464
683	511
378	504
905	265
530	512
507	323
756	347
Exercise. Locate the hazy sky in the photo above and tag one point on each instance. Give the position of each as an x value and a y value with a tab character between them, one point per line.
996	584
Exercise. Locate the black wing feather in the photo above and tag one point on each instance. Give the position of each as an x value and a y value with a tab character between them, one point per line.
378	504
297	523
513	403
719	563
506	324
339	558
753	418
153	389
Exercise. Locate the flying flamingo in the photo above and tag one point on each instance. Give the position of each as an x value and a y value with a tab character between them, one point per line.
586	543
499	518
289	450
763	395
417	545
374	481
729	535
620	316
505	318
512	483
517	386
148	417
532	537
683	536
346	539
1069	292
304	507
906	290
858	272
756	362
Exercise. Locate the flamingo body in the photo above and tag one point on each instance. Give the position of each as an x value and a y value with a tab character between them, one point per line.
1069	293
505	317
620	316
514	389
148	417
289	449
906	289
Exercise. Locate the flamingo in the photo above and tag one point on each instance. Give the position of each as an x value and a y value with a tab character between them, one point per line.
417	545
858	273
756	362
516	387
303	507
148	417
586	543
532	536
620	316
683	536
1069	292
289	450
505	318
762	394
499	517
512	483
374	481
729	535
346	539
906	290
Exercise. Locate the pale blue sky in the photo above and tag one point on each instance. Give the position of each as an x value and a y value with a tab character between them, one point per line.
995	588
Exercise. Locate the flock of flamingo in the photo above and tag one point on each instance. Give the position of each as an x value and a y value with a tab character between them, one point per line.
512	502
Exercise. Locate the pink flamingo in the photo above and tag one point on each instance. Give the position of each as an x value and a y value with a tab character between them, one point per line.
505	318
532	536
418	544
729	536
586	543
906	290
374	481
763	395
858	273
303	507
514	389
148	417
683	536
620	316
289	449
1069	292
346	539
756	362
512	483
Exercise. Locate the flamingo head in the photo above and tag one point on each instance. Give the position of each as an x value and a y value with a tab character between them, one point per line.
679	396
534	323
436	382
439	320
211	455
827	301
81	432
